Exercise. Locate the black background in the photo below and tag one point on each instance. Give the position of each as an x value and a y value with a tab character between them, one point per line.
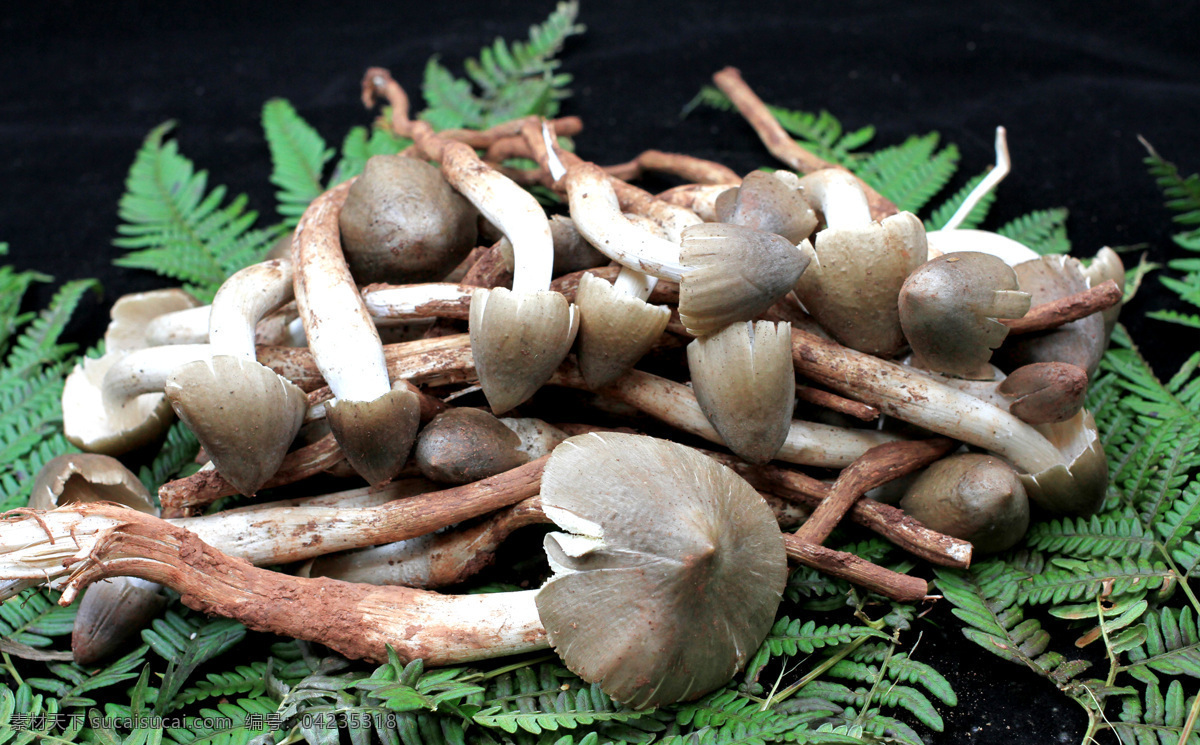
1075	83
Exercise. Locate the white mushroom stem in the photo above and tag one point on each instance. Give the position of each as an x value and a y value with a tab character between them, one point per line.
243	299
1002	168
409	302
340	334
145	371
511	209
807	443
188	326
840	197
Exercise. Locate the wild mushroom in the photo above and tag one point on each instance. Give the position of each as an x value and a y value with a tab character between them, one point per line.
1040	393
403	223
974	497
113	610
244	414
462	445
858	265
150	319
948	311
660	599
374	423
764	202
746	386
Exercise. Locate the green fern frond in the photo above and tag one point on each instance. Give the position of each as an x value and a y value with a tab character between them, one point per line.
187	643
911	173
726	717
71	681
451	105
1086	580
1183	198
174	225
13	286
1044	231
248	680
941	215
34	617
298	158
357	148
1155	718
793	636
902	668
1172	645
892	696
1172	316
178	451
822	133
32	717
502	64
231	723
1085	538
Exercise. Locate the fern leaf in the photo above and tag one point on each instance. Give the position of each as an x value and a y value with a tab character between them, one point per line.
1044	231
1085	538
357	148
231	723
1172	645
178	451
34	617
902	668
501	64
451	103
1085	580
186	644
939	217
1183	198
248	680
173	225
71	681
895	696
298	158
1156	719
911	173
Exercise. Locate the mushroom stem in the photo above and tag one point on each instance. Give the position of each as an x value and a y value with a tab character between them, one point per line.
1002	168
1060	312
875	467
777	140
675	404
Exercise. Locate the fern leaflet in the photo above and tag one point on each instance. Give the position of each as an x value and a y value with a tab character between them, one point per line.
911	173
298	158
1044	231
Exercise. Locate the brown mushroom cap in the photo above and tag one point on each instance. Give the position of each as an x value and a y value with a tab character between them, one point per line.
733	274
244	414
133	315
1045	392
615	330
975	497
403	223
80	478
675	573
948	310
376	435
764	202
89	425
463	445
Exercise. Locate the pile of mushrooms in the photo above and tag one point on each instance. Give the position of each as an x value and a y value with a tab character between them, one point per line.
362	356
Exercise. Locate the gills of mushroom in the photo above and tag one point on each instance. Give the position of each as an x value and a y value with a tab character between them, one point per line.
665	584
974	497
616	324
858	266
518	336
374	423
948	311
403	223
243	413
746	386
114	610
764	202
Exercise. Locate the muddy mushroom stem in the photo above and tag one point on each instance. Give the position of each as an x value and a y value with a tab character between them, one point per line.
374	423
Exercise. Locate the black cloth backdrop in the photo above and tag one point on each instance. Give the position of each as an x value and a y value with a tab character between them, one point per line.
1075	84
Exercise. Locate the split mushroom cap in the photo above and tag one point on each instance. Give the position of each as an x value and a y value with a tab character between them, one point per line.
733	273
764	202
853	284
615	330
92	425
746	385
671	575
1078	485
975	497
148	319
1081	343
403	223
462	445
948	311
111	611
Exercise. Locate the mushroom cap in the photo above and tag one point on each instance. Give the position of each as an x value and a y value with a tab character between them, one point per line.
90	425
462	445
81	478
133	314
732	274
615	330
244	414
376	435
1045	392
572	252
517	340
403	223
1079	487
745	384
764	202
853	287
673	576
978	498
110	612
1081	343
948	310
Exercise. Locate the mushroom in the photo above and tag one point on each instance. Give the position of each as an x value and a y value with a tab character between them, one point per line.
462	445
244	414
948	311
858	265
746	386
1040	393
150	319
403	223
764	202
971	496
374	422
115	609
669	588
